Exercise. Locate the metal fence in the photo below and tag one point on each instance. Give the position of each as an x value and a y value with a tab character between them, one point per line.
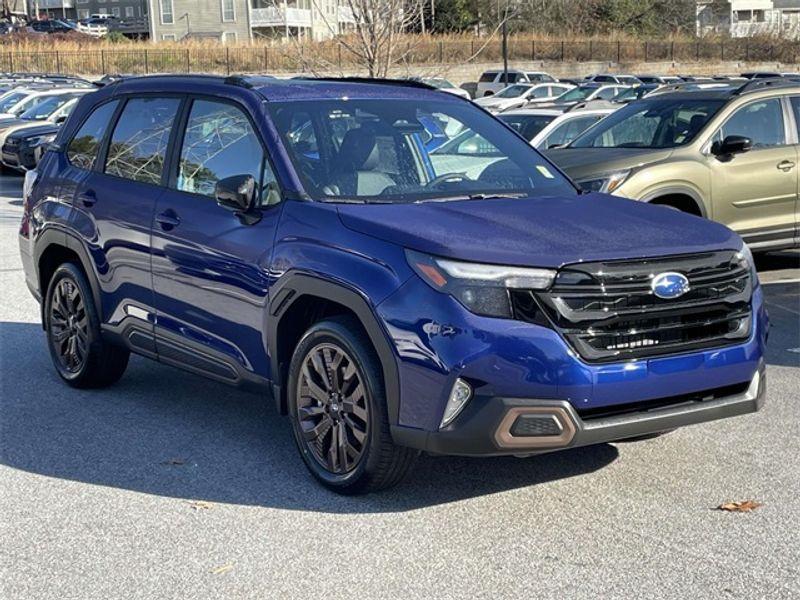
289	57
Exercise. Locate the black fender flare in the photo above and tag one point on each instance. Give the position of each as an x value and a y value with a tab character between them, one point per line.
58	237
289	289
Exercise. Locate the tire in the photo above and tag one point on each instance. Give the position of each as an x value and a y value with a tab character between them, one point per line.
80	355
347	398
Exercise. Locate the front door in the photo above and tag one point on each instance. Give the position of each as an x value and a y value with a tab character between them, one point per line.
210	265
755	193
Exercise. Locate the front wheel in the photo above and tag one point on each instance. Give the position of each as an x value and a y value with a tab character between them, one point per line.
337	406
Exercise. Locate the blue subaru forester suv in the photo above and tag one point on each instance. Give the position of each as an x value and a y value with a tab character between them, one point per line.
305	238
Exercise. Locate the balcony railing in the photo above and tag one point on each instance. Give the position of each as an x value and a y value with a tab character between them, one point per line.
52	4
275	17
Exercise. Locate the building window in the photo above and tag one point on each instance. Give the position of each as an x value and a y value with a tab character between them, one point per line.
166	12
168	37
83	1
115	11
128	12
229	36
228	10
83	13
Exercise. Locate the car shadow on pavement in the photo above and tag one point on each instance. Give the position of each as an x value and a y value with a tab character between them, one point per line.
166	432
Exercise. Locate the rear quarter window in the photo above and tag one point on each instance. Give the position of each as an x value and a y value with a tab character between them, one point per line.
84	146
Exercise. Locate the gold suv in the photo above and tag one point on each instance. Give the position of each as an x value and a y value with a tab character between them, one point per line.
726	153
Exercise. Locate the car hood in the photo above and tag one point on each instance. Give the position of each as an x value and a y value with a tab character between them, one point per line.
495	102
544	232
582	163
33	130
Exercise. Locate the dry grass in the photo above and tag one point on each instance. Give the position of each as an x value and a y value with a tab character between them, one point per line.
75	53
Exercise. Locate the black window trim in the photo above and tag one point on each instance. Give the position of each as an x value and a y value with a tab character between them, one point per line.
102	140
171	162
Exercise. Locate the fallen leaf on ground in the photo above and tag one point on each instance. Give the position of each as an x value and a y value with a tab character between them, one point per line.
174	461
200	505
222	569
740	506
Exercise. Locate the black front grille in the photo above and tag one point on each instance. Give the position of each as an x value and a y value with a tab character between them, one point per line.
607	310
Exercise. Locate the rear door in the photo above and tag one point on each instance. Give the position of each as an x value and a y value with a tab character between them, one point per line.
795	114
755	193
115	195
210	264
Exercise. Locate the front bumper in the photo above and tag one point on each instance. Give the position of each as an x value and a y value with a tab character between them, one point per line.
502	426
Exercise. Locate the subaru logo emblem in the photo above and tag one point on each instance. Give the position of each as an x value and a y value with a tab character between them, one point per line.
669	285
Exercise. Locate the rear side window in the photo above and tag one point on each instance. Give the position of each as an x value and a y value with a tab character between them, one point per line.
139	142
83	148
219	142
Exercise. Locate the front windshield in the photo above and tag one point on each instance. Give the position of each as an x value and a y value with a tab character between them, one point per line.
46	107
658	123
393	151
527	125
513	91
629	94
10	99
576	94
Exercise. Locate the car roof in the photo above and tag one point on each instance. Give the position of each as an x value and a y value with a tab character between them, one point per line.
279	90
544	112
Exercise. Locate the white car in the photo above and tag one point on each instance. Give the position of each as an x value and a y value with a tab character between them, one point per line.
443	85
493	81
552	127
53	109
520	94
15	102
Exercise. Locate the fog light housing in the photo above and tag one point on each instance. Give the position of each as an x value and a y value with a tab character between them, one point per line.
459	396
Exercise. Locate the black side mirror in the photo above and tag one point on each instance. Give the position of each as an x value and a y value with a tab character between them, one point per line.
733	144
60	119
237	192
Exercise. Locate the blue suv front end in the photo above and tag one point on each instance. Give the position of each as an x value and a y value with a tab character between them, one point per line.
527	383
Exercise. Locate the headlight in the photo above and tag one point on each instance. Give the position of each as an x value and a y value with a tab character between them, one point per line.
41	139
606	183
482	288
745	258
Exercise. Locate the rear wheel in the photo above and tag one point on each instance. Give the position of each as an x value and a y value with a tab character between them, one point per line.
337	406
77	349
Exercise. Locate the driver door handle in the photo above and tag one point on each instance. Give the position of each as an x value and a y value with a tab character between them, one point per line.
168	219
786	165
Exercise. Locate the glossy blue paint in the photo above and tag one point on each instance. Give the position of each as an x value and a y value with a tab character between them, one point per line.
207	282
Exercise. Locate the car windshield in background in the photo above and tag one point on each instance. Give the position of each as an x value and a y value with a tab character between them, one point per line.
658	123
46	107
392	151
10	99
513	91
577	94
527	125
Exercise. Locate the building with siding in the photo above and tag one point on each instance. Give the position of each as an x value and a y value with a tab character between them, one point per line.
746	18
225	20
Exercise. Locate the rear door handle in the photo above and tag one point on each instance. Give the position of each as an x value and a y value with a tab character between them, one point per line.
786	165
87	198
168	219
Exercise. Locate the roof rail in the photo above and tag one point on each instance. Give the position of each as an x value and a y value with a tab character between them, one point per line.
755	85
374	80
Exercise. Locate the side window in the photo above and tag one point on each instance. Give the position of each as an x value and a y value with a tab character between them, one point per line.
542	92
139	142
569	130
219	142
83	148
761	121
607	93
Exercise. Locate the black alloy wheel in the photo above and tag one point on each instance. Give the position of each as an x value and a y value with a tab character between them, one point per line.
69	326
332	408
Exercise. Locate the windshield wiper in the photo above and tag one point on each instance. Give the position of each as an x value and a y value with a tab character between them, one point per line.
477	196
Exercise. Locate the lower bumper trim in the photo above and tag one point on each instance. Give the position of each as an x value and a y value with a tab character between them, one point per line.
488	431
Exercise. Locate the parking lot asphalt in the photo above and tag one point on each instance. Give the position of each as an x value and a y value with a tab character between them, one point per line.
169	486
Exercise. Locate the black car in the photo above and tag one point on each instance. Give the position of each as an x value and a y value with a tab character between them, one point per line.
20	149
50	26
